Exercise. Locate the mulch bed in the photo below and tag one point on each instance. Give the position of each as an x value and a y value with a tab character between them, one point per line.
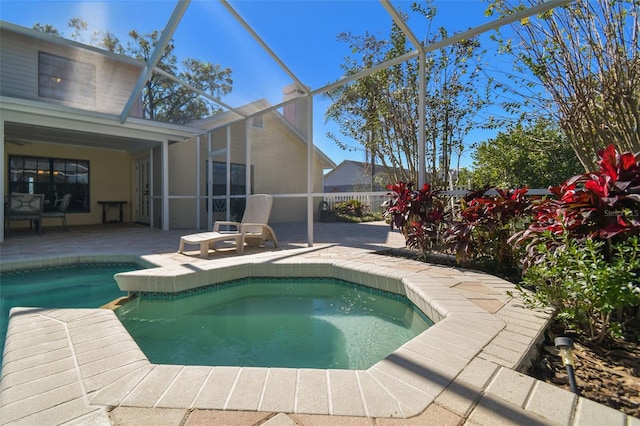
608	373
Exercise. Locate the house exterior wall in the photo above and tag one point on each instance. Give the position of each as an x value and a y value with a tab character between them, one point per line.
109	178
279	164
278	154
114	80
182	183
282	169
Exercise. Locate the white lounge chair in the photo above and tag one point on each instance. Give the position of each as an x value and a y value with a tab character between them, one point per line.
253	229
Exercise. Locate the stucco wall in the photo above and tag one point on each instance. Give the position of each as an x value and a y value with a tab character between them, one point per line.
279	163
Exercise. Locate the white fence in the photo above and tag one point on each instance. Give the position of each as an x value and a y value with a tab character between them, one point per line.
374	200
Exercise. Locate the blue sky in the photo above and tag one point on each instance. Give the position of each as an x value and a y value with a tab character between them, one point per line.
301	32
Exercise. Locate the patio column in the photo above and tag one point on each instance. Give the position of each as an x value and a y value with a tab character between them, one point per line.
209	181
421	119
198	182
247	154
227	165
2	172
165	185
309	169
152	189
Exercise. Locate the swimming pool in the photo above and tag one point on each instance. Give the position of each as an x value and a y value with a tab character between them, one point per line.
80	285
273	322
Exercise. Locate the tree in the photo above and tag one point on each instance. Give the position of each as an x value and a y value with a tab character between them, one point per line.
163	98
535	155
381	111
166	100
586	56
47	28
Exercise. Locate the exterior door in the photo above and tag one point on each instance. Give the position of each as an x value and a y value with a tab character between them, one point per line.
142	191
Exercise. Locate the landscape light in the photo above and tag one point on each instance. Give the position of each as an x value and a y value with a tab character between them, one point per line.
565	350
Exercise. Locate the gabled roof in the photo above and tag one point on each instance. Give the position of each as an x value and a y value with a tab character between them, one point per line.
227	118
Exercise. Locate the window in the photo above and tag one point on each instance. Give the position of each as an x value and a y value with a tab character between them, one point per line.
238	178
66	80
52	177
238	186
257	121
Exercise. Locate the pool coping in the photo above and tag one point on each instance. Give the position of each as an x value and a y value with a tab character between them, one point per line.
466	361
52	262
427	364
401	385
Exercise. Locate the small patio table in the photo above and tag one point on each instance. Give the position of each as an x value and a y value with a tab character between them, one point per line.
106	205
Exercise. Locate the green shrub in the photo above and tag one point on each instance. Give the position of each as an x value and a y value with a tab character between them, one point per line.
586	291
355	211
349	208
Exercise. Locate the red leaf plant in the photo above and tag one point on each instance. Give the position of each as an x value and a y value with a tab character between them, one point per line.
485	223
601	205
419	214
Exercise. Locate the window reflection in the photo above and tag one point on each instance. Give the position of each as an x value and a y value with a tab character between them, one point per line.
52	177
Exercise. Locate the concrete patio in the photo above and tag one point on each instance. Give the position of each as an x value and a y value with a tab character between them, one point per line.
79	366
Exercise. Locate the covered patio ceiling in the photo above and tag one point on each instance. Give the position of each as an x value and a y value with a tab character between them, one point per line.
27	134
56	124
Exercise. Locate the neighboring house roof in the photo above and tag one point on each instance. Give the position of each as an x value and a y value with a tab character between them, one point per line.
226	118
354	169
349	174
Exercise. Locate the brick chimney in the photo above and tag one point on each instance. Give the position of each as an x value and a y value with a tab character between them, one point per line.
295	112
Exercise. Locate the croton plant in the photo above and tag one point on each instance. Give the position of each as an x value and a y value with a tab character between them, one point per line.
485	223
419	214
582	245
604	204
598	205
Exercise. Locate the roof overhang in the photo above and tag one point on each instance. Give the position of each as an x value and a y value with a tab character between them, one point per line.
29	122
40	35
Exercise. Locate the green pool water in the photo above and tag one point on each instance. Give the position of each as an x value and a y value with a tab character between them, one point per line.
310	324
88	285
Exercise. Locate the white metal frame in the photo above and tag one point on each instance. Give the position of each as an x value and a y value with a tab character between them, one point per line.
420	51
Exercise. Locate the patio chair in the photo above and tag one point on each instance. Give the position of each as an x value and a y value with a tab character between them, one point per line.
24	207
60	210
252	230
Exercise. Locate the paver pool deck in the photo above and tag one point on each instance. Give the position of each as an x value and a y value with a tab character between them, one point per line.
80	366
